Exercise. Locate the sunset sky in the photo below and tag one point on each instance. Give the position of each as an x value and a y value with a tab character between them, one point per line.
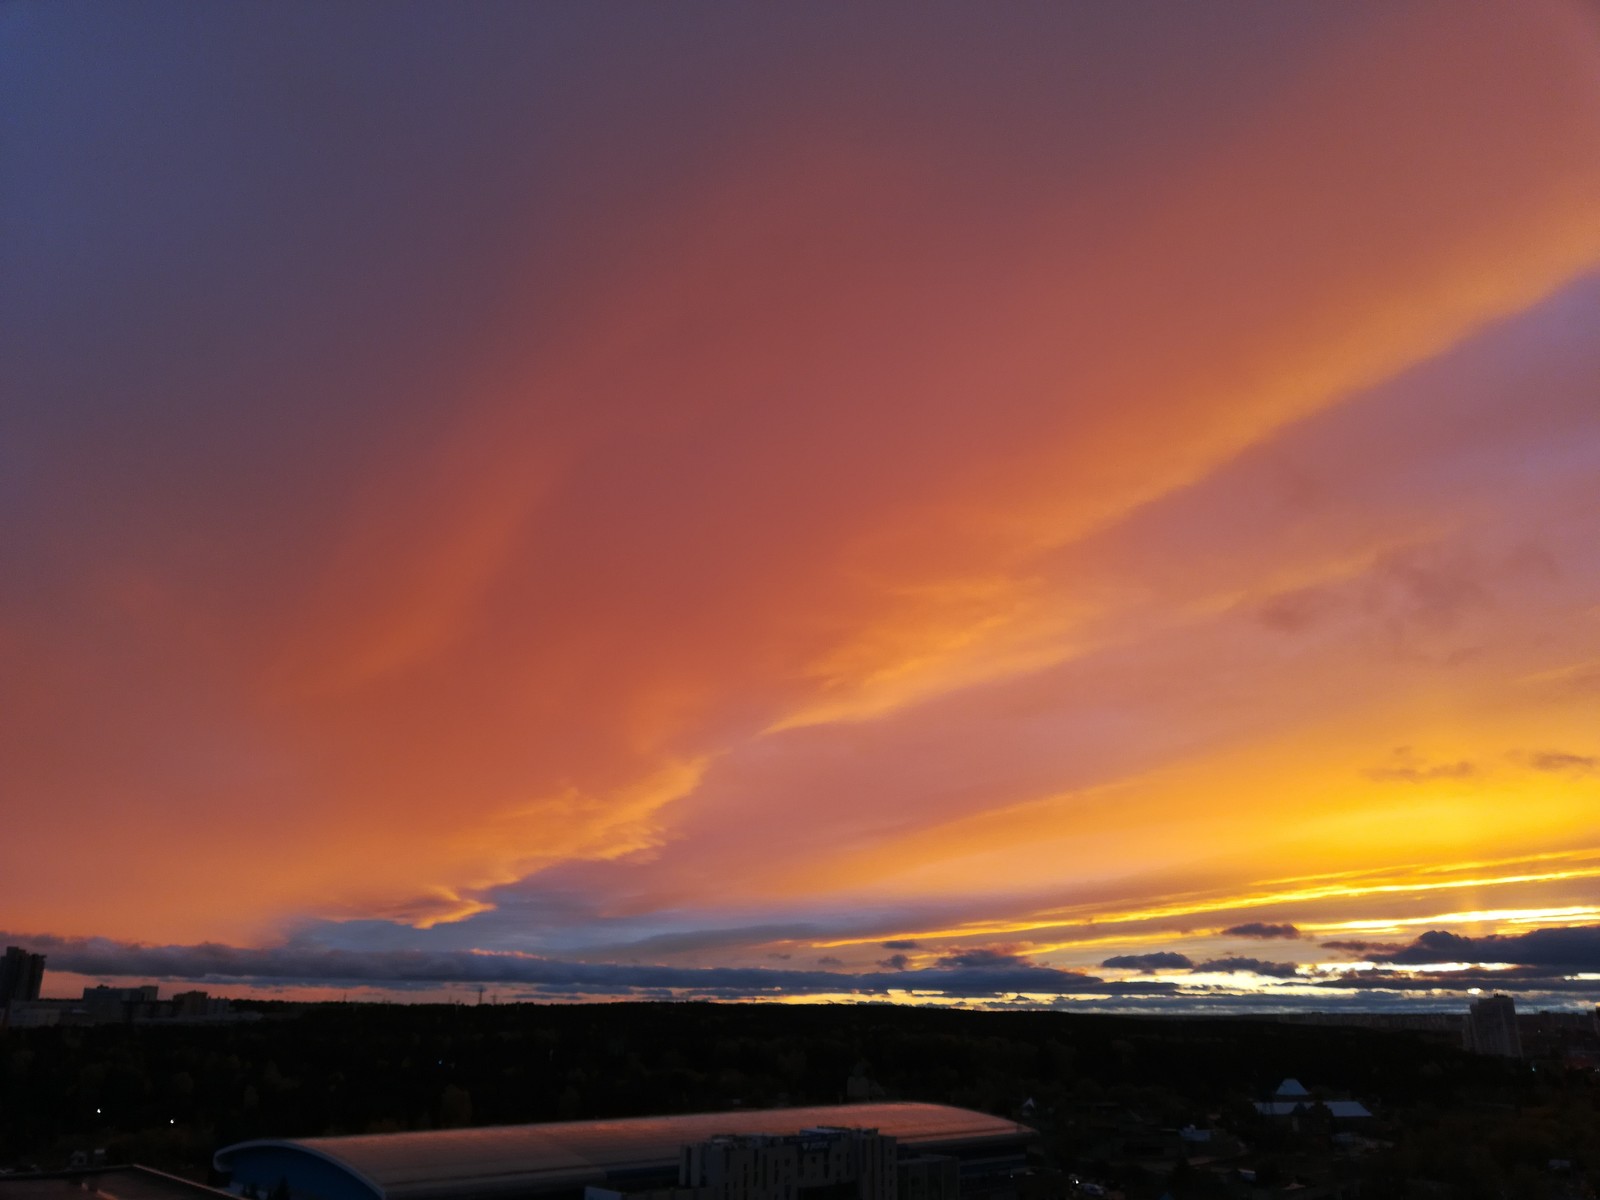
1076	503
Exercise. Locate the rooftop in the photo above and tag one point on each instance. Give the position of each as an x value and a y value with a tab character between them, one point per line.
569	1154
105	1183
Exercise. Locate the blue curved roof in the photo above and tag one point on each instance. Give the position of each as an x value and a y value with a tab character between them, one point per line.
522	1159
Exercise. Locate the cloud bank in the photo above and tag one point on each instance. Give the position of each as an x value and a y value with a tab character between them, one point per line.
213	962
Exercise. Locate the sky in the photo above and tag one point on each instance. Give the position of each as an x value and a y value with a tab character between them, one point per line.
1061	504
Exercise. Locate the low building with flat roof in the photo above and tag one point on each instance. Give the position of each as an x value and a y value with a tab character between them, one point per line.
105	1183
627	1155
1293	1099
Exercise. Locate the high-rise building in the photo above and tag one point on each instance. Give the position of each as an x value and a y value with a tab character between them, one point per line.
1491	1027
21	975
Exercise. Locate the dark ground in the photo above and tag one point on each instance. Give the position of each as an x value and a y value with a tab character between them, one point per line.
1106	1092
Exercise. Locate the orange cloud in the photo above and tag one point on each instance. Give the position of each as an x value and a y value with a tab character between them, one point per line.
883	493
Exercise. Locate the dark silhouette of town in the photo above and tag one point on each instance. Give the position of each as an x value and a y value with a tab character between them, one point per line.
1123	1105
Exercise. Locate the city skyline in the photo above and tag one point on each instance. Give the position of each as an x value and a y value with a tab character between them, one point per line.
1069	504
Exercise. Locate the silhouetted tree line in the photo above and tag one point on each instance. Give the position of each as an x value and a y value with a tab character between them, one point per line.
169	1096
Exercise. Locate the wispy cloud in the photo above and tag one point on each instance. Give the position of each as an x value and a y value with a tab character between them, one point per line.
1406	766
1563	762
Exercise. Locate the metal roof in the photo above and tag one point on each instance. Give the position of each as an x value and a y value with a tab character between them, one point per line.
569	1154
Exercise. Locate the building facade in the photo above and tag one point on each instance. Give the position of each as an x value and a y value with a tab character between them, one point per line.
136	1005
1491	1027
821	1163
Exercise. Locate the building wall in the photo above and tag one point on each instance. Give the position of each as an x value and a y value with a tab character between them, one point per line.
31	1014
307	1176
1492	1027
929	1177
814	1164
666	1193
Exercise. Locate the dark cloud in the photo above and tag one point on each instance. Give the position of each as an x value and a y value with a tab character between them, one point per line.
980	973
1258	929
985	958
1571	949
902	944
1541	961
688	941
1561	762
1160	960
1358	947
1254	966
1515	979
1129	987
1404	766
828	960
